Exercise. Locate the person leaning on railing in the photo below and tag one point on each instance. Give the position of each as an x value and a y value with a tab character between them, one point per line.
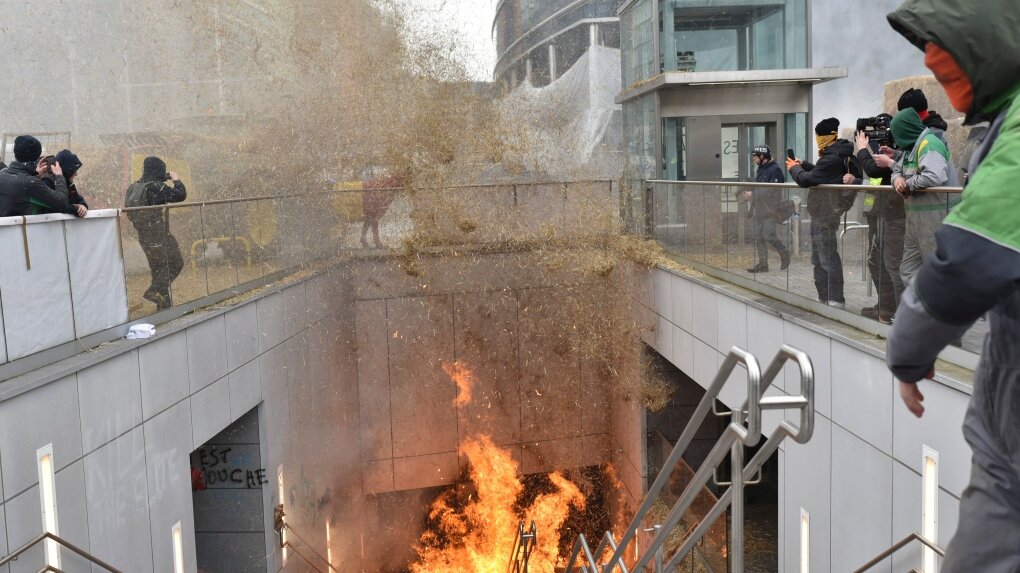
925	163
974	52
826	206
22	192
886	219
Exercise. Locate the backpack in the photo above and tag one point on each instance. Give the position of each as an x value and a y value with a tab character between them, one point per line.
137	196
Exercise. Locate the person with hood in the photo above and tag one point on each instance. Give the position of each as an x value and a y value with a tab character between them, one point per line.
69	164
153	226
826	206
915	98
22	192
925	163
973	51
764	210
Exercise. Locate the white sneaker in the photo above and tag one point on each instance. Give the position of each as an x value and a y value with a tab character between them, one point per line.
834	304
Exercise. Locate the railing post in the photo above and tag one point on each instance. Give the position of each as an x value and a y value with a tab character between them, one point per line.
737	508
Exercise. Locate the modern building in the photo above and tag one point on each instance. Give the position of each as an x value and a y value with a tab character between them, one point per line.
541	39
707	80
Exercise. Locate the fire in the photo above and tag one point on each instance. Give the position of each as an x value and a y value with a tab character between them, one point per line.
477	536
465	380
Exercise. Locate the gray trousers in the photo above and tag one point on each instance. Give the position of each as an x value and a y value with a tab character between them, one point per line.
988	535
919	240
891	233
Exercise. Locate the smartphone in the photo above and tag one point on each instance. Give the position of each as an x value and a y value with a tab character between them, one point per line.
791	154
875	146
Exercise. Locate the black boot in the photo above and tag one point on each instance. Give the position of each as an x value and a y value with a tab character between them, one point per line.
759	268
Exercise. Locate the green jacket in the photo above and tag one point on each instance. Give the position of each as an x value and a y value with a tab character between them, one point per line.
975	269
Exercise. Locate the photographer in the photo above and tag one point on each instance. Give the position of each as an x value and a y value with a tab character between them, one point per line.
764	210
835	159
885	215
925	163
153	226
21	190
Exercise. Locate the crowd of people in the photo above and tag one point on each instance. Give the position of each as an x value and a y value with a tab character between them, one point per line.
34	184
901	224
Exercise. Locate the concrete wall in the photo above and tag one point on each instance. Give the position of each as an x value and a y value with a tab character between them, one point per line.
534	393
859	477
125	419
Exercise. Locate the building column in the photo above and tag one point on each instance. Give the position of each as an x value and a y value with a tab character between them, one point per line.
527	71
594	33
553	64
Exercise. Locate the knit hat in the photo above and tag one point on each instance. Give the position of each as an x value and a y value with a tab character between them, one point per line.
829	126
153	169
27	149
913	98
69	163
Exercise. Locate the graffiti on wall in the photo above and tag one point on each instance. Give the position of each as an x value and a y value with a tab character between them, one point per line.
227	467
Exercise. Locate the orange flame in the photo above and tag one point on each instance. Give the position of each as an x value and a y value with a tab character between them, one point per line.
465	380
478	537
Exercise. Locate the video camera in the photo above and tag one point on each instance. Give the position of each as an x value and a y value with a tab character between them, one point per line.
878	128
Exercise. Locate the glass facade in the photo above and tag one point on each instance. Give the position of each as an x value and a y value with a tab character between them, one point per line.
726	35
524	28
637	41
640	119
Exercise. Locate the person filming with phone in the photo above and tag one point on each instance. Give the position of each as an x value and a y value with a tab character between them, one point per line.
764	210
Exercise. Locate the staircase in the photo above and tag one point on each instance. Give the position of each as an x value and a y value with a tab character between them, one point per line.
744	431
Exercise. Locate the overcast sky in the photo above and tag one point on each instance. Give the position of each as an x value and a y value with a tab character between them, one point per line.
472	19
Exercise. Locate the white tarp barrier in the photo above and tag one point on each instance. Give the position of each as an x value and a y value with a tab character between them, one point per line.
36	302
97	272
75	285
567	120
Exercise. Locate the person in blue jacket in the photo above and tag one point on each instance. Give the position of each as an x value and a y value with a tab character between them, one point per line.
764	210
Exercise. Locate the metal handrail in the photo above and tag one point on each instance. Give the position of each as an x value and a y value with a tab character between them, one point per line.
915	536
280	524
524	544
743	431
63	542
836	187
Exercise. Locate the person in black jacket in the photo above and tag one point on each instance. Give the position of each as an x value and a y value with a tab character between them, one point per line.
826	206
69	165
764	210
153	226
22	192
886	218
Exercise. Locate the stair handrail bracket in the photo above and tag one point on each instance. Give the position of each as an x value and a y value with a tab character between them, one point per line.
744	430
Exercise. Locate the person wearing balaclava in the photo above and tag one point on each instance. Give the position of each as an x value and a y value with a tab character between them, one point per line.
974	52
924	163
22	192
835	159
153	225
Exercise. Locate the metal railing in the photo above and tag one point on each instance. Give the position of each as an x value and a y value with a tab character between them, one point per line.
281	526
63	543
900	545
743	431
524	545
711	227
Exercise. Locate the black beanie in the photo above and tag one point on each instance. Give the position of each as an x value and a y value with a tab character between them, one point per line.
827	126
27	149
153	169
912	98
69	163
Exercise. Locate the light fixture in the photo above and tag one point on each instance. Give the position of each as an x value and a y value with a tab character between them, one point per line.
329	545
805	541
48	500
930	505
178	541
283	530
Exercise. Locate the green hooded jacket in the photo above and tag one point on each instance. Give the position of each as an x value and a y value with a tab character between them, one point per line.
988	50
